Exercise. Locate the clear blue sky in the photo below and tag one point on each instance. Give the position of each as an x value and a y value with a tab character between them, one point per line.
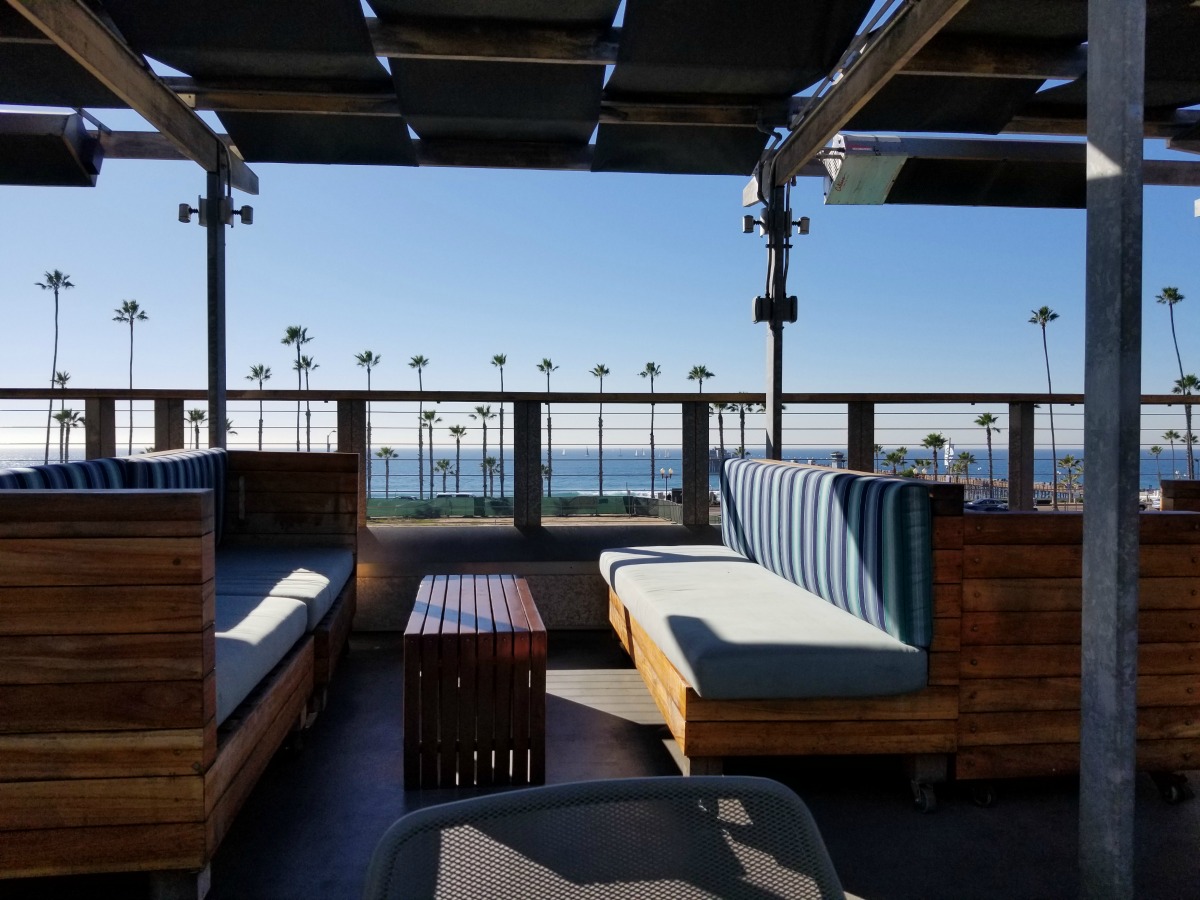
585	268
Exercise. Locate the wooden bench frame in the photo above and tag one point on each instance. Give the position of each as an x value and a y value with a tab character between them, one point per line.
110	758
922	724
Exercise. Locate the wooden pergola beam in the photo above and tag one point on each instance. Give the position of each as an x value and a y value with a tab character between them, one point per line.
947	54
495	42
82	36
898	42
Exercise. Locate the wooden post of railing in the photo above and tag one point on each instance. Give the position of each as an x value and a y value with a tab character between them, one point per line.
352	438
168	424
1180	496
527	464
1020	456
695	464
860	435
100	427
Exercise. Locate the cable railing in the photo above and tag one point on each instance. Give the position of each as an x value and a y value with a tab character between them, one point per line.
428	455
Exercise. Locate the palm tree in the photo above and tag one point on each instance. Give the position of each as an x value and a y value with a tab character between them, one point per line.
489	474
742	409
1171	436
483	414
499	360
1169	297
1043	317
297	336
964	461
921	465
196	418
430	418
60	381
387	454
1188	385
700	373
229	426
67	419
127	313
652	370
368	360
719	409
458	431
55	281
878	449
934	441
443	466
419	363
546	366
1156	452
305	365
895	459
1072	467
600	370
259	373
988	423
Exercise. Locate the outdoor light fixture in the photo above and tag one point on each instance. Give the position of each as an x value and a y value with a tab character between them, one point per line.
761	309
801	225
245	213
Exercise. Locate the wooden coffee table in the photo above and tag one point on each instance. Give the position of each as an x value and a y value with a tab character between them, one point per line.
474	684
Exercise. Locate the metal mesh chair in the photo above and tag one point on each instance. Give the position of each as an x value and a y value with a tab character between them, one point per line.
636	838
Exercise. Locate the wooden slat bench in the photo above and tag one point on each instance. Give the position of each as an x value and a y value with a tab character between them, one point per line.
474	684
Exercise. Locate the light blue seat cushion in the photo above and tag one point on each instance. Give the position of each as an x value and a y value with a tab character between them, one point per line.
253	634
312	575
736	631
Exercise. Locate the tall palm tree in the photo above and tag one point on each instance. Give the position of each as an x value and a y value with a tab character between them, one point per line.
305	364
55	281
934	441
60	381
499	360
259	373
1188	385
719	409
988	423
387	454
430	418
368	360
878	452
489	474
296	336
130	312
1156	452
700	373
1071	467
652	370
742	409
419	363
442	466
458	431
600	370
1171	436
196	418
1169	297
1042	317
67	419
483	414
895	459
547	366
964	461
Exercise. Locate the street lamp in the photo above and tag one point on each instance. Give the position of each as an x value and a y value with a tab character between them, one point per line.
666	475
327	439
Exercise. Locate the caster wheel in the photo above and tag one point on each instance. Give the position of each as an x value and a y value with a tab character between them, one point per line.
983	795
1173	788
924	798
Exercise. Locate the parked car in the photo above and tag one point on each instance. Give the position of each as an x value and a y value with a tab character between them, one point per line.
986	504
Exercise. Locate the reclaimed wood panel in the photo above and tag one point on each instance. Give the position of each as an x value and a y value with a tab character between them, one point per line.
1064	659
1062	726
278	481
804	738
106	754
1041	760
930	703
126	848
1004	694
1154	626
78	514
65	659
107	609
114	706
331	634
947	566
322	503
75	803
100	561
1049	594
947	533
281	522
1066	561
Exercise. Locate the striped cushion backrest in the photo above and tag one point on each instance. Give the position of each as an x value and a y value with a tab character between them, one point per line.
79	475
184	469
862	542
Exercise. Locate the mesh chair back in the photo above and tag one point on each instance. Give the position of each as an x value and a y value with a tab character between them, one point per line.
725	837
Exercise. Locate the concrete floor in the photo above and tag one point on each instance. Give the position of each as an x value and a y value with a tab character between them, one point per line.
310	825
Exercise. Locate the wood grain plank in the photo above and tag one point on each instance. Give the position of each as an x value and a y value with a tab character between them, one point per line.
243	462
79	659
106	754
107	609
448	691
522	672
468	680
105	514
1066	561
76	803
1040	760
807	738
537	684
947	533
947	601
930	703
283	482
947	566
115	706
1017	594
1154	626
1062	726
128	848
944	667
106	561
485	678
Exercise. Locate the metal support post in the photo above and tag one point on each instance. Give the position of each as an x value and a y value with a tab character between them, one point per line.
100	427
1112	387
352	438
1020	456
778	221
168	424
860	435
527	464
218	184
695	464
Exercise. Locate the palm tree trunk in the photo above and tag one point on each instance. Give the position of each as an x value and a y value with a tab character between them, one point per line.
130	452
299	386
66	441
502	434
991	471
430	460
652	473
483	464
549	454
457	463
387	476
1053	444
53	371
600	449
1191	456
260	420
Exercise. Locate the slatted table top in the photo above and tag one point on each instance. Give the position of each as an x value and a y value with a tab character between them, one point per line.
474	604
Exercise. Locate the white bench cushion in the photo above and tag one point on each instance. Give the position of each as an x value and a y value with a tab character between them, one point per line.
253	634
737	631
312	575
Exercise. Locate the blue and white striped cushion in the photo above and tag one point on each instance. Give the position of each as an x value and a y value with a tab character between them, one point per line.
862	542
184	469
82	474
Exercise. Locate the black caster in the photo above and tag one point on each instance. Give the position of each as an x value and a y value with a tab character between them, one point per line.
983	795
924	797
1173	787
